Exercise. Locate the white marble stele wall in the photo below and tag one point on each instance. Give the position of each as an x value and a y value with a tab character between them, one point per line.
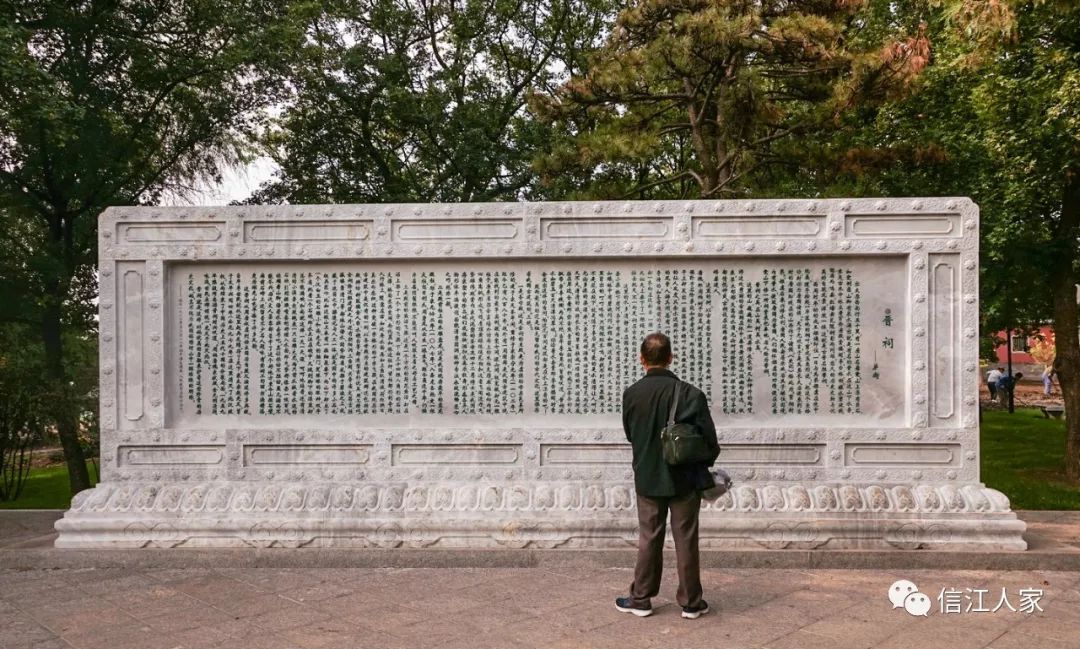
451	375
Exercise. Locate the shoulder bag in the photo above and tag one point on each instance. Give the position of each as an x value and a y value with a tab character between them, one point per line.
683	443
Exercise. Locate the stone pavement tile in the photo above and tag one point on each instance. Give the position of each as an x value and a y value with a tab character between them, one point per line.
199	638
267	641
14	587
383	618
174	575
850	626
11	577
445	603
13	616
774	582
389	577
530	633
216	589
288	618
154	600
355	603
373	640
613	579
45	596
114	584
245	607
237	629
1050	628
95	575
588	617
799	608
52	643
465	578
979	623
353	575
184	619
1060	608
743	598
319	592
665	627
547	603
386	587
731	632
25	632
279	581
539	581
1051	583
919	636
327	631
132	636
591	642
487	617
1020	640
410	589
543	600
84	615
805	640
434	630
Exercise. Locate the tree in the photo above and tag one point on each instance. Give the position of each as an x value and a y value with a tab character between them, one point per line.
22	406
416	100
996	115
1027	101
697	97
115	103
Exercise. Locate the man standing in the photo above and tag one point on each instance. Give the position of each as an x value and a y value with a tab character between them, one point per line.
659	487
992	378
1048	380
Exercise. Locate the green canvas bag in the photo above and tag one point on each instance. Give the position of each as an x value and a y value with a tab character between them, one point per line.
683	443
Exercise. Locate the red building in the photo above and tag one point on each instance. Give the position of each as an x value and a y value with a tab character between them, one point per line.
1022	344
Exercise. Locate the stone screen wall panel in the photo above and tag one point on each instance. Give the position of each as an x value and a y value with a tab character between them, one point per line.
359	366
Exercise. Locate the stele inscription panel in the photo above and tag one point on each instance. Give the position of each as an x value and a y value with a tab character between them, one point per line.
451	375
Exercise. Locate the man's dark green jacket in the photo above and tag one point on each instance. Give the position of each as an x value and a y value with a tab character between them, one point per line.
645	412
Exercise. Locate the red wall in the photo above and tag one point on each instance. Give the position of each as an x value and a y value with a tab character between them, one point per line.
1018	356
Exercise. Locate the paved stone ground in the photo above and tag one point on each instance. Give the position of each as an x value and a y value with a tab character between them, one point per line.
257	608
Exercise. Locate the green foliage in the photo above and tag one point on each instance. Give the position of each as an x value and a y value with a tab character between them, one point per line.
709	98
23	400
107	103
993	117
116	103
411	100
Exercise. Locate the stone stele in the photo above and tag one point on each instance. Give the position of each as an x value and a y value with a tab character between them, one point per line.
451	375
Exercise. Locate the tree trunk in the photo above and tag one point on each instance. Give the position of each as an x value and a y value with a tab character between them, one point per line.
64	412
1067	323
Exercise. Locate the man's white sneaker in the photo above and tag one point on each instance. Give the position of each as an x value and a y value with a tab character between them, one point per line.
695	613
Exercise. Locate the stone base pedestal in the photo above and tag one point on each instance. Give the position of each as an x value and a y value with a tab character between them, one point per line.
543	515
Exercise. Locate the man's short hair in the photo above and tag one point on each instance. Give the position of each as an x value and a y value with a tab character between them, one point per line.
656	349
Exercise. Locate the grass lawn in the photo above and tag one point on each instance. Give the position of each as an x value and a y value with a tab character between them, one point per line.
1023	456
46	488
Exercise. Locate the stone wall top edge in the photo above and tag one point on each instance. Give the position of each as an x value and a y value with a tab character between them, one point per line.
495	428
777	207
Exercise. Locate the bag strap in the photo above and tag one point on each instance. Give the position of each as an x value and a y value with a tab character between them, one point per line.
674	404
